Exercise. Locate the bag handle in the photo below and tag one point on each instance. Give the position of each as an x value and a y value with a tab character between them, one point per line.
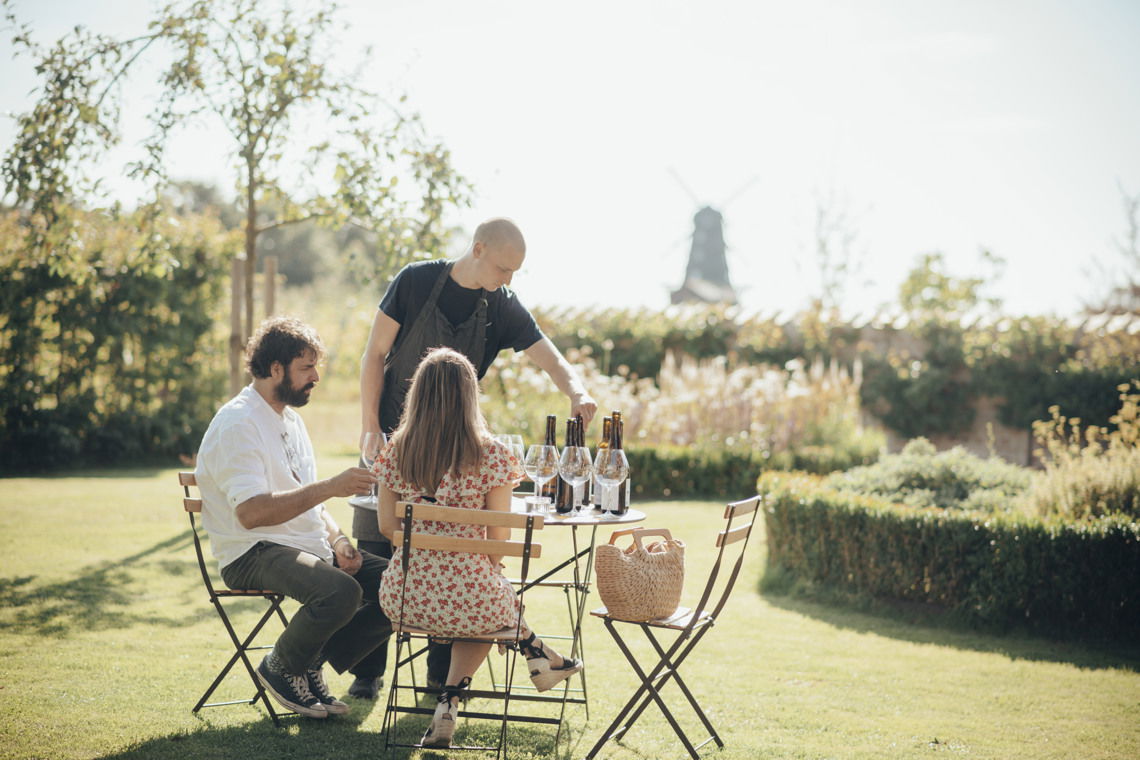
639	533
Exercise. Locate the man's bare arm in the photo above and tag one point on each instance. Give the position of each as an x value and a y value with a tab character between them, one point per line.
551	361
380	341
276	508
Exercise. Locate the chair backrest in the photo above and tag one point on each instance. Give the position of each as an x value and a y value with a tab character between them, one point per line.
406	537
740	517
192	505
408	511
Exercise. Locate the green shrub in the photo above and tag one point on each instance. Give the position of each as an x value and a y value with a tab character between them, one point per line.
1092	472
107	345
994	570
919	476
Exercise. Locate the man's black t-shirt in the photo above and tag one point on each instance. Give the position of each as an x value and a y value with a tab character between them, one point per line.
509	324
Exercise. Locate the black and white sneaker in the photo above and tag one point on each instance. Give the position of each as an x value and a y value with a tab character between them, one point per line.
320	690
291	691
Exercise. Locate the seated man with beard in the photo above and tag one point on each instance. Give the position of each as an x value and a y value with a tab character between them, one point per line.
263	508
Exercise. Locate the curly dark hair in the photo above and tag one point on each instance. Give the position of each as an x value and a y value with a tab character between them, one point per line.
280	339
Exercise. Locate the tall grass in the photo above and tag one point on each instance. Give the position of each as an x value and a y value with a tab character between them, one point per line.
1089	471
706	403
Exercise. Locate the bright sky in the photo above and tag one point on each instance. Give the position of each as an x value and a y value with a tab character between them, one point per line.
951	126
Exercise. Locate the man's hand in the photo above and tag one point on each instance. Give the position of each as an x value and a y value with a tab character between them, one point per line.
583	404
347	558
352	481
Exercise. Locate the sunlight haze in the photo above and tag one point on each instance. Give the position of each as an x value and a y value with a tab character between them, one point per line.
952	127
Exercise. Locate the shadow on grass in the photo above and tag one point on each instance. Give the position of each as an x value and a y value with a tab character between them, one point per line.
921	624
97	598
340	737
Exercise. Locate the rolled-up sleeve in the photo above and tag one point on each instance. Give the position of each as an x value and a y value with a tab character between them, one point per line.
241	472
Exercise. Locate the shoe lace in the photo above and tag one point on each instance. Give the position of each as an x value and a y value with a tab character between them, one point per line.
316	682
300	686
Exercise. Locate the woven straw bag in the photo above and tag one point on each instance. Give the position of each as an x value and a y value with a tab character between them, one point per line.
641	582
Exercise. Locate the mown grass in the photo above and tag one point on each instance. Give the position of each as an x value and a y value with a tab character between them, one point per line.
106	641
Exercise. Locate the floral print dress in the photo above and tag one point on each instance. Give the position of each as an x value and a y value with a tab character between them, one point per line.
449	592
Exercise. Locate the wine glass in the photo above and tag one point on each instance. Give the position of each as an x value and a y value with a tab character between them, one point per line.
540	465
611	469
370	446
575	468
514	444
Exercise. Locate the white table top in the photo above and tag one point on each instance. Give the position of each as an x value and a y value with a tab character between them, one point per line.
584	517
518	504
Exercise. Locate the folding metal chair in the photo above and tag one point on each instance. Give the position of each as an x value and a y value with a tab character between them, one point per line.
690	626
242	645
406	538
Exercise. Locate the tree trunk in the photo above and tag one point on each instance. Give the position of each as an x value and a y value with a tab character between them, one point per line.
237	345
250	245
269	270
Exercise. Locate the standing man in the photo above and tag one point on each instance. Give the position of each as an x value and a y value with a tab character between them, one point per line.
465	305
262	506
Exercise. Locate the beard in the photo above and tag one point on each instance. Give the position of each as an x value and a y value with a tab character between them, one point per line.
287	394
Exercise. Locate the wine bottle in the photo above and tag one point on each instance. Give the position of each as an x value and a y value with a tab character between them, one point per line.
603	445
621	505
582	492
549	489
563	491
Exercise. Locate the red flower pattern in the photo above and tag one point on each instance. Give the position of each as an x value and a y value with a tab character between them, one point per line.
450	593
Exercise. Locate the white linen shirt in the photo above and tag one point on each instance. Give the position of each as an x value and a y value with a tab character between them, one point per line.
248	450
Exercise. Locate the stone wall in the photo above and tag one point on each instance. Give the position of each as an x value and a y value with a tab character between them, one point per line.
985	437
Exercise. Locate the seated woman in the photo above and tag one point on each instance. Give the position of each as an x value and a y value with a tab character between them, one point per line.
442	451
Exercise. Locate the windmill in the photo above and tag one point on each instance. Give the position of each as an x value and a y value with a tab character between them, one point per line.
706	275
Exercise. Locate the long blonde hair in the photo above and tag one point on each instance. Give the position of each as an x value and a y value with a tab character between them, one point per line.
442	429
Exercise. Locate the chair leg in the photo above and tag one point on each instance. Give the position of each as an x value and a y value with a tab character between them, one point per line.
649	690
240	649
620	725
672	671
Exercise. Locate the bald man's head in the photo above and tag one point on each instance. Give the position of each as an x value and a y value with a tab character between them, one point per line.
497	251
500	233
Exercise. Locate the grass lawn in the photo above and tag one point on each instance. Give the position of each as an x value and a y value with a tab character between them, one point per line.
106	641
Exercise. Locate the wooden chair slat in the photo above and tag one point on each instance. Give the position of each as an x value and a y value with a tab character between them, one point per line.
468	545
743	507
192	505
468	516
726	537
187	479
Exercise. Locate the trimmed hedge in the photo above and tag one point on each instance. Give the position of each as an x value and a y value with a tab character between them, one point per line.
699	471
665	472
1052	577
